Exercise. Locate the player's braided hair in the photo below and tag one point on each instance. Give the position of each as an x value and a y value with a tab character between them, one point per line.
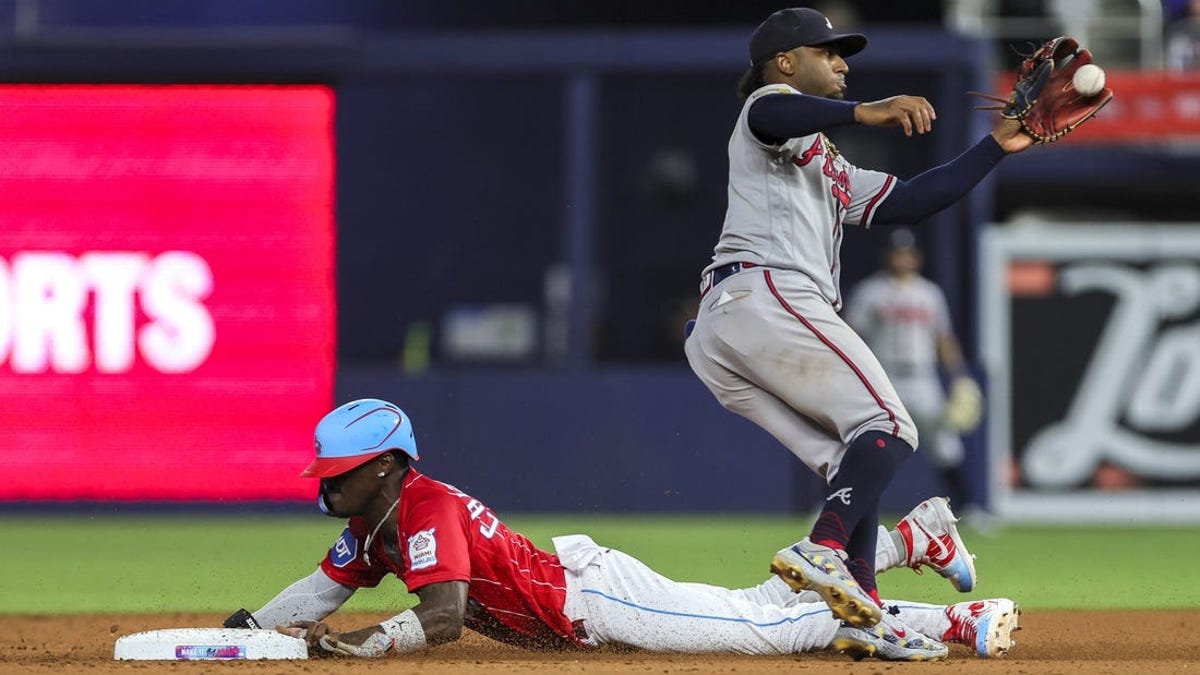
751	80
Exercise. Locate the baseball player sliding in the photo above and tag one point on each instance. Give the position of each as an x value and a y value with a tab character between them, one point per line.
768	340
469	570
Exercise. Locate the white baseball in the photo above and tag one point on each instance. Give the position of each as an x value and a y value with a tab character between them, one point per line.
1089	79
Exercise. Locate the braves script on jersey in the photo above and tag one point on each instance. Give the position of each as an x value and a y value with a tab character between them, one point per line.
516	593
901	320
787	203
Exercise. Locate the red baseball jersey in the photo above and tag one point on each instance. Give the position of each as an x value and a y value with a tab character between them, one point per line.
516	591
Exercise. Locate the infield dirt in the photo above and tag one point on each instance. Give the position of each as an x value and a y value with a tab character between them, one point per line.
1062	642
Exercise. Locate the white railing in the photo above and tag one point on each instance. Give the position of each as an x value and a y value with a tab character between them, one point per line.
1126	33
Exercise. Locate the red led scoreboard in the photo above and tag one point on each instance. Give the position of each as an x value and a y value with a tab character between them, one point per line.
166	290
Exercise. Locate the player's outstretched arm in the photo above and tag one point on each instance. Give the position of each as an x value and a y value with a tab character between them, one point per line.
438	618
312	598
935	189
1009	134
913	113
776	117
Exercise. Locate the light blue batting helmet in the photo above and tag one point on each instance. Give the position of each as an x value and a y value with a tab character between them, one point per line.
357	432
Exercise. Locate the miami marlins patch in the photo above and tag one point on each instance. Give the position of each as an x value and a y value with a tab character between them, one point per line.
422	549
344	550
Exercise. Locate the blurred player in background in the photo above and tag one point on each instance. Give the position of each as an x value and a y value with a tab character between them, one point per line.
469	570
905	320
1183	38
767	340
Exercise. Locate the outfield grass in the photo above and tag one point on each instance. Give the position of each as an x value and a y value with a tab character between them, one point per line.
56	564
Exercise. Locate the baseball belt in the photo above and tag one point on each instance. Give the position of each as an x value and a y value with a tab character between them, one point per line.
718	274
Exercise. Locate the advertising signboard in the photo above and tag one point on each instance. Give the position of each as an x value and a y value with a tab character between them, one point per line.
166	289
1092	344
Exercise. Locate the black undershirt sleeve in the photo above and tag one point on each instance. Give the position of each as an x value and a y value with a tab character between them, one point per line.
777	117
939	187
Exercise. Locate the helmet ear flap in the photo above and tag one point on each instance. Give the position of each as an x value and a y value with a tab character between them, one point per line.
324	505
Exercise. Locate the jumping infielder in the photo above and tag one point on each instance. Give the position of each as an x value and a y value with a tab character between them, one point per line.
905	319
768	341
470	570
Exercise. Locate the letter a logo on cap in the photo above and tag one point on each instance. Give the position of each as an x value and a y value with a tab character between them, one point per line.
828	23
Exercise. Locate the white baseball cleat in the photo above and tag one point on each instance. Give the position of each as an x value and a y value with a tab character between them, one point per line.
809	566
985	625
889	640
931	538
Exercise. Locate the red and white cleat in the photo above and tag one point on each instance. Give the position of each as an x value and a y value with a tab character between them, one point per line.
985	625
932	539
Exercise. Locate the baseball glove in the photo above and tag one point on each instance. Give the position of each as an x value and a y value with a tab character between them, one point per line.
964	406
1044	98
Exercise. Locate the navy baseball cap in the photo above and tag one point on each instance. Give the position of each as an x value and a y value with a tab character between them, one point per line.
799	27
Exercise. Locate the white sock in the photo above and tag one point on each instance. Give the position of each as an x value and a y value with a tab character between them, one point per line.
888	550
928	619
775	591
901	547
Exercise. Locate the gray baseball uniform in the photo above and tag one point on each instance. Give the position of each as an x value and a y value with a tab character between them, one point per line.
768	341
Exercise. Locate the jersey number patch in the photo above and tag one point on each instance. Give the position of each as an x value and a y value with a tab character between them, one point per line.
488	522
